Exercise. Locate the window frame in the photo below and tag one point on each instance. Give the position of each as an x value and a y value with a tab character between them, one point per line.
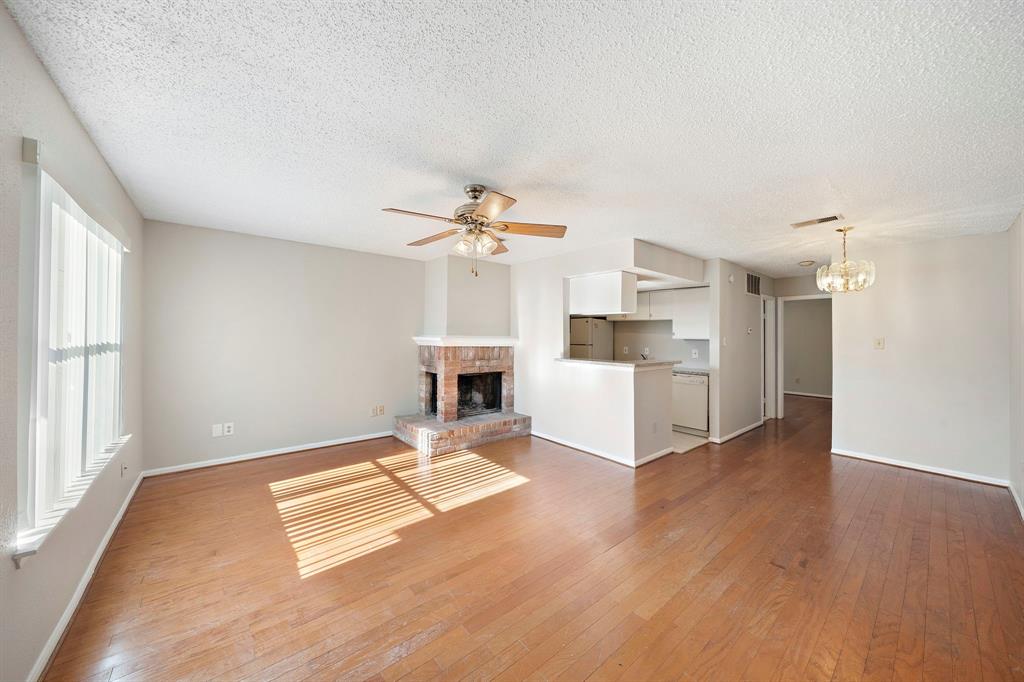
44	501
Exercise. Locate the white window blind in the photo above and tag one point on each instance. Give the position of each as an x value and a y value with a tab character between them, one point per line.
76	410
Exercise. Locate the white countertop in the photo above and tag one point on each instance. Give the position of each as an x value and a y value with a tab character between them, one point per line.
632	365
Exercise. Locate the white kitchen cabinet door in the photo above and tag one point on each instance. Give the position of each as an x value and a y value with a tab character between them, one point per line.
691	314
643	309
663	304
602	294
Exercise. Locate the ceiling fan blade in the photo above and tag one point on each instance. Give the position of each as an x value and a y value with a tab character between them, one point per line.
501	247
433	238
492	206
418	215
531	229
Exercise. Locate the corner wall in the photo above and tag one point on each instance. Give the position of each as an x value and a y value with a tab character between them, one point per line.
936	397
35	598
1015	237
291	342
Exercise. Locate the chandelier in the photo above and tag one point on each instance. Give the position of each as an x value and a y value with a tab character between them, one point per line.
849	275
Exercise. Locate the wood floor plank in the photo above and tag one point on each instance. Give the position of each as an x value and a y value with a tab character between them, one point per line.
762	558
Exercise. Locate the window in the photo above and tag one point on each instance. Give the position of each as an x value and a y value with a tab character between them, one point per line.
76	421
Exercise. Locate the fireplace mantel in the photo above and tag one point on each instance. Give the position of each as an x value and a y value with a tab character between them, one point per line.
461	341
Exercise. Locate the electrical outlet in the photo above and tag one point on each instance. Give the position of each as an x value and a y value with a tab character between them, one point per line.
217	430
625	350
124	468
229	428
694	353
879	343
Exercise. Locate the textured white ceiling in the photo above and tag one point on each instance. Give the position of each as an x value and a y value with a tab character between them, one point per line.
702	126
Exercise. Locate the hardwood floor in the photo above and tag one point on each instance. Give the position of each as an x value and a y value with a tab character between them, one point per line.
764	558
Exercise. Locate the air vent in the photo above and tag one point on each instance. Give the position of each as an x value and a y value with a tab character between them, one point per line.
753	284
818	221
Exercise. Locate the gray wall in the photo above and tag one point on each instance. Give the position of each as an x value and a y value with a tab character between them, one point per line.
1016	249
33	599
807	346
805	285
293	343
735	349
657	335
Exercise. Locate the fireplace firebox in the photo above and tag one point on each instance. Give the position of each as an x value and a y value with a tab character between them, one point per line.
479	393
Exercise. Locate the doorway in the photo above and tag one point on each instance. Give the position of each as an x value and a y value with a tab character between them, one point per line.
804	352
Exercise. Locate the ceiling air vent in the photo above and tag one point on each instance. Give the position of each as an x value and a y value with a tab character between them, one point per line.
753	284
818	221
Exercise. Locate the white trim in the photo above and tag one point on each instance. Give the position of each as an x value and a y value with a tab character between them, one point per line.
1018	500
264	453
978	478
69	612
732	435
805	297
590	451
464	340
657	455
808	395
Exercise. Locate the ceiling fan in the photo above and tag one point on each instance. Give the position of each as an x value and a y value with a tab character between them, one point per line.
476	222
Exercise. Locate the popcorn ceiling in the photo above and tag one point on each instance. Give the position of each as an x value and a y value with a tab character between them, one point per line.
707	127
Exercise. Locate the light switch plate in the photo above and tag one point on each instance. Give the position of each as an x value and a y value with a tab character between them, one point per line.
217	430
694	353
879	343
625	350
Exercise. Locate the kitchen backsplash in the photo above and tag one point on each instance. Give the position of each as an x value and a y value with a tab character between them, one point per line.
657	336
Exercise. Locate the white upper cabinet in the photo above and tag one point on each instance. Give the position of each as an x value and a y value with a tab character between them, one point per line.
603	294
691	314
663	304
643	309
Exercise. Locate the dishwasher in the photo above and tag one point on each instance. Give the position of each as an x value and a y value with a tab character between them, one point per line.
690	402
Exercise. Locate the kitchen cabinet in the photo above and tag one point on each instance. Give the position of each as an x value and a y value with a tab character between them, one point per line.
602	294
691	313
643	309
663	304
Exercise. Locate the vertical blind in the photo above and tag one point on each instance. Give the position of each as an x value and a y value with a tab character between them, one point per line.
77	402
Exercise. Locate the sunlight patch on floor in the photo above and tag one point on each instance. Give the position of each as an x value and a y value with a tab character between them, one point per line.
337	515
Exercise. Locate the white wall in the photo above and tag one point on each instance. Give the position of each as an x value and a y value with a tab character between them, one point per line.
293	343
735	349
937	396
588	406
1015	239
807	346
35	597
478	306
458	304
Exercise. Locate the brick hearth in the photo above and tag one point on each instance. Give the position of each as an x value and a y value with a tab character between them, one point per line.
444	432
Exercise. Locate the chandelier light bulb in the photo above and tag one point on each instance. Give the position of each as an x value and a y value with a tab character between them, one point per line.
847	275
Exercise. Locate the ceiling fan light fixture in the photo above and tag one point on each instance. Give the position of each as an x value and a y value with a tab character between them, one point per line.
465	246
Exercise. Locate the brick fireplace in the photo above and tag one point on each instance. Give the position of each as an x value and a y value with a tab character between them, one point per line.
466	395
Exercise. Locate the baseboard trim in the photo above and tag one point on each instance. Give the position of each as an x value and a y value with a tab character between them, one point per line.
263	453
590	451
809	395
657	455
43	660
1018	500
734	434
903	464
